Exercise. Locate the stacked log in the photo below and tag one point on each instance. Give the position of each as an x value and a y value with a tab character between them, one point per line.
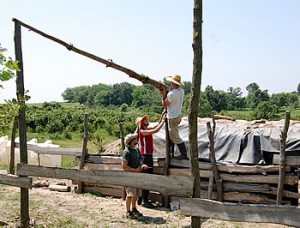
245	183
241	183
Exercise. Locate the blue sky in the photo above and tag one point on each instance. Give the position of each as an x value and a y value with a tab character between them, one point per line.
243	42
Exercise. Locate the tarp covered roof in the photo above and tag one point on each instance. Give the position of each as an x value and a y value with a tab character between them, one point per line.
240	141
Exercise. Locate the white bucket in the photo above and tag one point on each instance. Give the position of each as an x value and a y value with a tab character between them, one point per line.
174	206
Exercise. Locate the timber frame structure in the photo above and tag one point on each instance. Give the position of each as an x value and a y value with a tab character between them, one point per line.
192	207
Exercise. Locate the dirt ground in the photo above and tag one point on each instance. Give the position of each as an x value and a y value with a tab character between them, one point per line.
68	209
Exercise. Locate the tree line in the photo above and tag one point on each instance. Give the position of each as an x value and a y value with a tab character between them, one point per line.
148	99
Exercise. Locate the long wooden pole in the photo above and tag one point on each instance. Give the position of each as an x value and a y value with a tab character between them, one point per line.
84	150
282	158
194	104
109	63
212	155
22	123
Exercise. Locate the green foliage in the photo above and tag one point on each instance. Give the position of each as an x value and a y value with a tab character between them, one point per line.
266	110
9	110
7	67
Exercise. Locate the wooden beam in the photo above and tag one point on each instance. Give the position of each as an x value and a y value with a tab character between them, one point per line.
13	180
53	150
235	168
109	63
286	215
164	184
270	179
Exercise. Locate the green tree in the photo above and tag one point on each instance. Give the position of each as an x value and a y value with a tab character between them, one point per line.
266	110
9	110
298	88
234	99
256	95
216	98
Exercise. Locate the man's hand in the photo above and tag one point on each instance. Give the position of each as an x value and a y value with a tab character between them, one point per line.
164	91
145	167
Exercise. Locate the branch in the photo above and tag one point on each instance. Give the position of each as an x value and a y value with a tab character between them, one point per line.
109	63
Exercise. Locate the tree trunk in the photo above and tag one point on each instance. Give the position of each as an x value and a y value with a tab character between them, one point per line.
194	103
22	123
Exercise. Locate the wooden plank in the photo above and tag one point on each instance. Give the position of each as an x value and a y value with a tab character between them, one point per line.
167	185
13	180
293	161
231	168
53	150
286	215
92	166
270	179
104	191
94	159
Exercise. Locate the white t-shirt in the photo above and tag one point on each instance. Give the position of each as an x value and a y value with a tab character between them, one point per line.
175	96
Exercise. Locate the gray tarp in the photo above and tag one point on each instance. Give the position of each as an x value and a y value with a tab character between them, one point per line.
237	141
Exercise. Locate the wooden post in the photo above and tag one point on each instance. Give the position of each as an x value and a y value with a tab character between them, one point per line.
211	133
122	135
12	147
22	123
210	186
123	148
282	157
84	150
167	159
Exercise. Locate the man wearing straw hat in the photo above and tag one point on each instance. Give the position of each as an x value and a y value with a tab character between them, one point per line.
146	146
172	101
132	162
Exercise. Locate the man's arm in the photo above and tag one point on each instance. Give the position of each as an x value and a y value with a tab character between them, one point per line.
127	168
156	128
165	102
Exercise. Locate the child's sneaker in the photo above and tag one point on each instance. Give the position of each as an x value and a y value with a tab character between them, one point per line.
136	212
130	215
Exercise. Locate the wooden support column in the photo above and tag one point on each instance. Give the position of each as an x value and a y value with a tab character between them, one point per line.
167	160
123	148
282	157
211	136
84	149
12	147
122	135
22	123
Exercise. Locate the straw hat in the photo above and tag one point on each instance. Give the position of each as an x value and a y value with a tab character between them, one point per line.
175	79
130	137
139	121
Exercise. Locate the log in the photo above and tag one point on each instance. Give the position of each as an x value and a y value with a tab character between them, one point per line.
109	63
92	166
270	179
231	168
104	191
59	188
166	185
13	180
293	161
286	215
53	150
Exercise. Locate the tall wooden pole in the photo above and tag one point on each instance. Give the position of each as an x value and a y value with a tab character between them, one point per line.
84	150
194	104
282	157
22	123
